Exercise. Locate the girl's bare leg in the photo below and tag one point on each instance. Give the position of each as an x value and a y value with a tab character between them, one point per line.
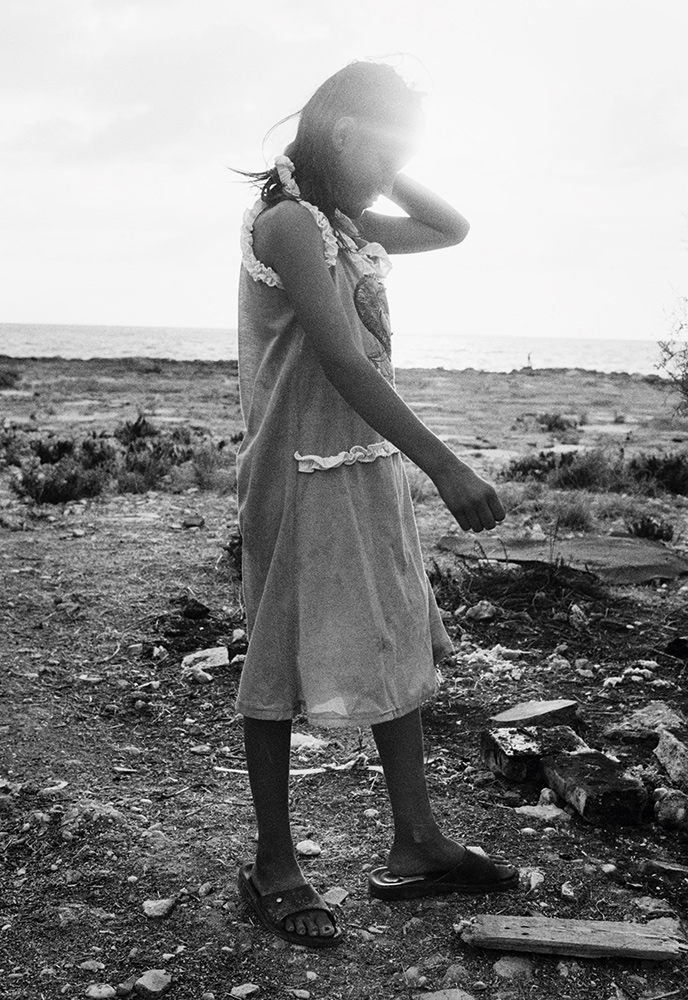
419	846
276	868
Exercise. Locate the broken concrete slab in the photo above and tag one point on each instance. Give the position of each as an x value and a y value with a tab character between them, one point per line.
560	712
598	788
585	938
644	725
516	753
619	561
672	753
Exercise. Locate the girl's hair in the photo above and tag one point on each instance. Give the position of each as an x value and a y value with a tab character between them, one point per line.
368	91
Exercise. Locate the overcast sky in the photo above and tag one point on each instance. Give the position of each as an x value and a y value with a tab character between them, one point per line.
559	129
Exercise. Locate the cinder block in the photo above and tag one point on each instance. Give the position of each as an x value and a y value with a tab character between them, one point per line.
597	787
516	753
561	712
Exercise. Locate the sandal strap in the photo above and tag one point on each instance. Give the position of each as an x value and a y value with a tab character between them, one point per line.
280	905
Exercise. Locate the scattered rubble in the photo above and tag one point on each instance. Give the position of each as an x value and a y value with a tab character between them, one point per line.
645	723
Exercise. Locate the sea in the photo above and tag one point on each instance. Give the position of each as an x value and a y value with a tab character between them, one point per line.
495	354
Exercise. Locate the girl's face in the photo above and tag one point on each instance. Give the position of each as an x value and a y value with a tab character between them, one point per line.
369	157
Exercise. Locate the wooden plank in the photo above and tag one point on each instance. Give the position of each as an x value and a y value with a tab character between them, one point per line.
584	938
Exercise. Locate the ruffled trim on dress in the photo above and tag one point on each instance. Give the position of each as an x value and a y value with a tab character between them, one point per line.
260	271
359	453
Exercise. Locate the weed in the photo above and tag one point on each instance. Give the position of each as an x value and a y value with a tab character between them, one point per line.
574	514
128	433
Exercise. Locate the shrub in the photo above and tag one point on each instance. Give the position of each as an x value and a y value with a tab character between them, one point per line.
59	482
554	423
588	470
214	467
663	472
653	528
13	447
10	377
536	467
51	450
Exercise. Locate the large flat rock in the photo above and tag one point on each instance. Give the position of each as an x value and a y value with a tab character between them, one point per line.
615	560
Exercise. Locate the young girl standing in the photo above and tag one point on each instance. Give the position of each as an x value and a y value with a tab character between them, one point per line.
342	623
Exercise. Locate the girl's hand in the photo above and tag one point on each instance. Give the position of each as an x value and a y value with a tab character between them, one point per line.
471	500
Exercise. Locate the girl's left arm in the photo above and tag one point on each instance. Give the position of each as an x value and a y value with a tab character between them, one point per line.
430	222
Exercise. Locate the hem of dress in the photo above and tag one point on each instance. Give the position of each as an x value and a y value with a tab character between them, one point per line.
326	721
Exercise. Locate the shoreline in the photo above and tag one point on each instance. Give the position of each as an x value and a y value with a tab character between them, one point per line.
143	359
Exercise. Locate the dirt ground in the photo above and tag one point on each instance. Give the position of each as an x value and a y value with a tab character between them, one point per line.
122	783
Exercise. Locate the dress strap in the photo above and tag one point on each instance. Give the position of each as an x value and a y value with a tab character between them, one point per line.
260	271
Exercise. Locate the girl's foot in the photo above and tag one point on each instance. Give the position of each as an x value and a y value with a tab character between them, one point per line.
281	879
434	853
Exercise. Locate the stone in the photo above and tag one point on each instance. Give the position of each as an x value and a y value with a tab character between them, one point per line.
456	975
513	967
545	810
245	990
153	983
308	849
516	753
644	725
597	787
101	991
91	965
205	660
306	741
335	896
561	712
126	987
671	808
450	994
672	753
482	611
156	909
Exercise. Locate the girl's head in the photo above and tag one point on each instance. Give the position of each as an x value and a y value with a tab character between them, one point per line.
354	135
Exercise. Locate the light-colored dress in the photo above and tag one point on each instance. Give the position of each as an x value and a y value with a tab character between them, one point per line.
341	619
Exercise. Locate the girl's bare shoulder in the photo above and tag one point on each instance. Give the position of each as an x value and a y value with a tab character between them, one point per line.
287	227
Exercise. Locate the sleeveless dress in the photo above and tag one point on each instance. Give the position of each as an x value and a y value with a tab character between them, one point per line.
342	622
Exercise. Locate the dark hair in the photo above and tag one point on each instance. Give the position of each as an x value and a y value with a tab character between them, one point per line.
369	91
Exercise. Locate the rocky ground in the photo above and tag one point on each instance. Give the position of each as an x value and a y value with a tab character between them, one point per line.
124	804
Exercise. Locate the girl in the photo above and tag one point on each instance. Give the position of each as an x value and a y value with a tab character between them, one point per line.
342	622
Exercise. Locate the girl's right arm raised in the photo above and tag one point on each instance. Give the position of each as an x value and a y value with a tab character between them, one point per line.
287	239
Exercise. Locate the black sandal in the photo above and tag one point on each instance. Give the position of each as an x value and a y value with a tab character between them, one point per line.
475	874
273	908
